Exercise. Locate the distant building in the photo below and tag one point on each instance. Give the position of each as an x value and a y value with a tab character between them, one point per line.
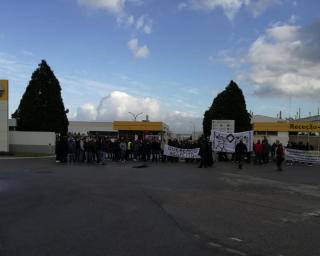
141	130
302	130
4	107
310	119
186	136
92	128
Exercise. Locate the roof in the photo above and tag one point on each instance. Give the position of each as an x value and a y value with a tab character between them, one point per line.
263	119
139	126
310	119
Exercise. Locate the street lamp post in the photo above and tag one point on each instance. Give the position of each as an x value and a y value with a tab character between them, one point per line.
135	115
194	130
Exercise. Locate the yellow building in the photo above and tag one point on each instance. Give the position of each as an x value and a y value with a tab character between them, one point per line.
133	129
4	99
285	131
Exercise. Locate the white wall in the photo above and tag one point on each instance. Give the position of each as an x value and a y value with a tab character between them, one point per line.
32	138
34	142
85	127
4	126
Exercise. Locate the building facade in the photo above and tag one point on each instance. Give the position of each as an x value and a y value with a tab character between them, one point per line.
141	130
296	131
93	128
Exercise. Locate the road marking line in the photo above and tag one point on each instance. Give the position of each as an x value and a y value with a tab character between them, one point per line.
235	252
315	213
212	244
235	239
196	236
26	157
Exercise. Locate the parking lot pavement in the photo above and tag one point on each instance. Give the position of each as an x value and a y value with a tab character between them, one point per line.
163	209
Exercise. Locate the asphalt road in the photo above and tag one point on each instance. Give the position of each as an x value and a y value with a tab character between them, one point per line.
164	209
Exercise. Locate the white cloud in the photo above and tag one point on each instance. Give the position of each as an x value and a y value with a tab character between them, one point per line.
147	29
231	59
86	112
130	20
145	24
118	8
14	69
136	2
117	104
258	7
293	19
193	91
230	7
113	6
138	51
27	53
142	23
285	61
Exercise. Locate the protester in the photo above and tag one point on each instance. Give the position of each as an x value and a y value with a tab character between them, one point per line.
265	150
273	151
241	150
203	153
279	156
257	148
123	150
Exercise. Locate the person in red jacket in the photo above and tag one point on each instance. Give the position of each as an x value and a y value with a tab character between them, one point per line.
258	152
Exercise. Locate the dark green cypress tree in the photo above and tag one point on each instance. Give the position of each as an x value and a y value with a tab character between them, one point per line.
41	107
228	105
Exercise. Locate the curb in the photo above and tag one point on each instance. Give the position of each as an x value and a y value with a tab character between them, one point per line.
27	157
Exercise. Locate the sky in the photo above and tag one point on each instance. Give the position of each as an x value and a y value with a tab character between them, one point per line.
168	58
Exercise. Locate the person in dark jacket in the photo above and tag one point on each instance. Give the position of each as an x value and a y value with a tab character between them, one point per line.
203	153
209	153
280	156
241	150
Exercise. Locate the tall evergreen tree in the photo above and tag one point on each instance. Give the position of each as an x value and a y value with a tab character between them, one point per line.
228	105
41	107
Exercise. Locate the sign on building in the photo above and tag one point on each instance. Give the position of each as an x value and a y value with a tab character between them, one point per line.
4	96
223	126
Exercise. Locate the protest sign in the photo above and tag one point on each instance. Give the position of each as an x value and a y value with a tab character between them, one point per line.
226	142
312	157
181	152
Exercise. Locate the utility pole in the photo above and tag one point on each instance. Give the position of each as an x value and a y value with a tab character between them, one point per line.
194	130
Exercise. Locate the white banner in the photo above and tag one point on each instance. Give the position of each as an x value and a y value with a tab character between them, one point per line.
312	157
181	152
226	142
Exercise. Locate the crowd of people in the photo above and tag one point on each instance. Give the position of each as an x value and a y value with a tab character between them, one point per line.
100	149
263	151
